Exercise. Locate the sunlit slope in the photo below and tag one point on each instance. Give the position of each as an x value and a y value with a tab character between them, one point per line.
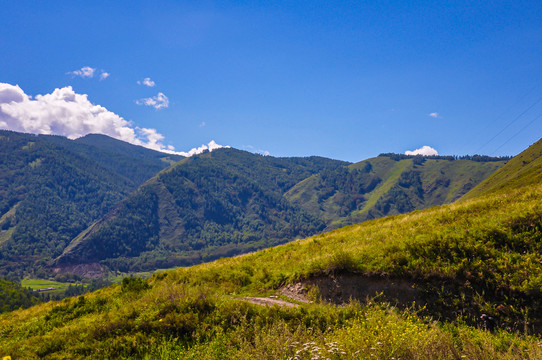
523	169
385	186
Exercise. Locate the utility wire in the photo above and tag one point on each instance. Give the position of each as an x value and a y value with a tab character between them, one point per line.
516	134
510	123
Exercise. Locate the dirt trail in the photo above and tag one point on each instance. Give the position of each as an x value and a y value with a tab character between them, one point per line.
268	301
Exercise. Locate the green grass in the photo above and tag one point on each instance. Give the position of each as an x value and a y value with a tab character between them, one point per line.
36	284
391	179
524	169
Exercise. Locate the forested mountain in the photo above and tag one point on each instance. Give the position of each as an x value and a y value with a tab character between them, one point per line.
204	207
52	188
389	184
229	201
136	163
100	201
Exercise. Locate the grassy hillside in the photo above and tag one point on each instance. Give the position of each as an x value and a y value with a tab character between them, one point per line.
388	185
456	261
205	207
524	169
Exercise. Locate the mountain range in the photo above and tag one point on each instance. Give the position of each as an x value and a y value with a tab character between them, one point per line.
95	204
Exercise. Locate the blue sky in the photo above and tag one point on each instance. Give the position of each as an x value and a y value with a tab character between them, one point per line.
345	80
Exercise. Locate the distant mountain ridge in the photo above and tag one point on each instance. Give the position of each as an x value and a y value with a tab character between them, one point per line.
228	202
101	202
389	184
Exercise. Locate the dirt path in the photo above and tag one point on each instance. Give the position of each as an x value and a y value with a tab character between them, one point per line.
268	301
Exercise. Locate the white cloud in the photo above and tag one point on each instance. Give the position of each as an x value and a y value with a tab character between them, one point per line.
424	151
147	82
84	72
160	101
202	124
434	115
211	146
64	112
89	72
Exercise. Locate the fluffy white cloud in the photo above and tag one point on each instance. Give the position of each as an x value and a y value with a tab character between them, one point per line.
66	113
84	72
211	146
104	75
424	151
160	101
433	115
147	82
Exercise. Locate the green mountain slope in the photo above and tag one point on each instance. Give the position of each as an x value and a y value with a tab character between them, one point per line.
51	189
136	163
458	261
387	185
524	169
208	206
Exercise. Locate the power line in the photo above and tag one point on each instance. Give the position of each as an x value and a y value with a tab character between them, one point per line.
510	123
516	134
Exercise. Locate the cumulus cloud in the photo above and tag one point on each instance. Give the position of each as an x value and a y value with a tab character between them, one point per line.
64	112
84	72
433	115
424	151
210	147
147	82
104	75
160	101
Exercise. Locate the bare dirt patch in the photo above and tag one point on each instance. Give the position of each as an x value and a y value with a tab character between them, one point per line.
341	288
91	270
